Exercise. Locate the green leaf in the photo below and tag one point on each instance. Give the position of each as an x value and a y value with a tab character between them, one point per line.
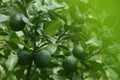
19	72
111	74
76	37
3	18
13	36
83	5
35	76
12	45
34	7
11	62
2	45
11	76
115	67
21	43
52	28
6	52
3	33
74	28
27	1
93	66
58	77
51	48
76	77
21	6
26	20
59	1
65	48
56	15
2	72
94	21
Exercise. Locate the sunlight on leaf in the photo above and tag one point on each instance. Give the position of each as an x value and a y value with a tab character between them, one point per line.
3	18
11	62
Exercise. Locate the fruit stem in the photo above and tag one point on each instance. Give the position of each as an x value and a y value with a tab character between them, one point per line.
28	71
82	78
34	41
28	75
33	72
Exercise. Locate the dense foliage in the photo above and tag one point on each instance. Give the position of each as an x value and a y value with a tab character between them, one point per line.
59	40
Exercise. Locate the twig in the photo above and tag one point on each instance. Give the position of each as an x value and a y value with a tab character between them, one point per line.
28	71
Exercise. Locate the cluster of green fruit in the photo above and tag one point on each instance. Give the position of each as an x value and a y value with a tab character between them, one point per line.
41	59
70	62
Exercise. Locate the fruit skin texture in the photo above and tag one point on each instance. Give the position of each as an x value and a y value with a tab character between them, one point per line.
42	59
24	57
78	52
70	63
16	23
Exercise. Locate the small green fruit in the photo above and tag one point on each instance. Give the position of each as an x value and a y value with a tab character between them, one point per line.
42	59
70	63
16	23
24	57
78	52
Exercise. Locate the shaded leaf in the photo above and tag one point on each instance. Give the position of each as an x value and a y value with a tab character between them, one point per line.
12	45
13	36
19	72
76	77
58	77
76	37
3	33
52	28
21	6
94	66
94	21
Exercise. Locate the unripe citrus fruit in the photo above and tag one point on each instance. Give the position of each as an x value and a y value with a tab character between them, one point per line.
42	59
16	23
78	52
70	63
24	57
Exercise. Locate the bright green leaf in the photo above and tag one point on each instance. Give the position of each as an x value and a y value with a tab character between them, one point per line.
11	62
52	28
